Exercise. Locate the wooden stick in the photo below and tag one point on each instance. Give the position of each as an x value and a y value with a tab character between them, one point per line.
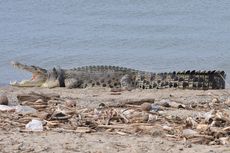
114	126
132	102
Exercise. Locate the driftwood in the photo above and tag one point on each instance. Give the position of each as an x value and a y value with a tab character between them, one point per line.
78	130
36	96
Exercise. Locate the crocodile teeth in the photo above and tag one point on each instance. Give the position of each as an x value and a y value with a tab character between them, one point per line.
13	83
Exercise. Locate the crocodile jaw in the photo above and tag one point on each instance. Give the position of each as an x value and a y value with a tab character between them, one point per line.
39	76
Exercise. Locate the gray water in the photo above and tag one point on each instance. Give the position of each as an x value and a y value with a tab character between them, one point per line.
152	35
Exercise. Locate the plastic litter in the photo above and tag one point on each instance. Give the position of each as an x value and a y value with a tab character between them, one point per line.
6	108
25	110
34	125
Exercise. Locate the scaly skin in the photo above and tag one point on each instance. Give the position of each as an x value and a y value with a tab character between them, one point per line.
119	77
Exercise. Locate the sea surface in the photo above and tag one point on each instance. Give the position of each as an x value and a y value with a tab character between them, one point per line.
151	35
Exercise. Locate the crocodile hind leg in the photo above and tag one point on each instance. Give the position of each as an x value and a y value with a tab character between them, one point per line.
73	83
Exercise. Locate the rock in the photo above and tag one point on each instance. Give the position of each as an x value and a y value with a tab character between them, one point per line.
34	125
155	108
3	100
146	107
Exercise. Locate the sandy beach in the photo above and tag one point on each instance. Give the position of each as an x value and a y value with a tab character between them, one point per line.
154	139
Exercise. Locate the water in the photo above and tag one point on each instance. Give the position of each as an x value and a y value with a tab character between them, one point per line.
148	35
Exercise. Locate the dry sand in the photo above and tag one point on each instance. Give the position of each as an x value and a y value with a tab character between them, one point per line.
103	142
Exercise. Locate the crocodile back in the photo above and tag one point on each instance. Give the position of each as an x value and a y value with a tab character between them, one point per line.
104	76
110	76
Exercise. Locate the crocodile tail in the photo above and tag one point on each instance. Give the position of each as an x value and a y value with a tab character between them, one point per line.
199	80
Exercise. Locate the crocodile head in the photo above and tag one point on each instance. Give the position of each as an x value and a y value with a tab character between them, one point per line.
40	77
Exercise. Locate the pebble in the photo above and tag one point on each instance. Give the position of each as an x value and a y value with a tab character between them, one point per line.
3	100
146	106
155	108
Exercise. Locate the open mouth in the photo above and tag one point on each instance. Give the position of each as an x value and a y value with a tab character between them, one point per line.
39	75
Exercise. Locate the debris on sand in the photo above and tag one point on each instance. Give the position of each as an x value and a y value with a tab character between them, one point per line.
50	112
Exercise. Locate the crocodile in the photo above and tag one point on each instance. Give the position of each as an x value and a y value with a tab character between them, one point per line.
119	77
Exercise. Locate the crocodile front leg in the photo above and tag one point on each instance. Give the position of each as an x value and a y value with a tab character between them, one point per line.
126	82
73	83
